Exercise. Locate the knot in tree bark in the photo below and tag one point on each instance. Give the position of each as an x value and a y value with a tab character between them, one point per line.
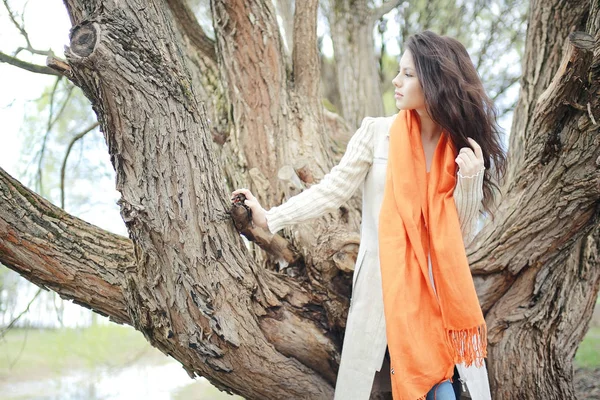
83	39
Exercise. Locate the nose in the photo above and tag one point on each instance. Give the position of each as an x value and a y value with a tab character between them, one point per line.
397	81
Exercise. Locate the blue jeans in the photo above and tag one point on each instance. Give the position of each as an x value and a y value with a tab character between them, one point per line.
442	391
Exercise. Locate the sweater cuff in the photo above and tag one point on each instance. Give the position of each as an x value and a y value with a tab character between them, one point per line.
275	221
472	184
468	197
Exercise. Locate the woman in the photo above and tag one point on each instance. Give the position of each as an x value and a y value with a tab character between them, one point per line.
428	195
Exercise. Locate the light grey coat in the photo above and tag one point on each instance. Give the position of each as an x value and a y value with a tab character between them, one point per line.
365	341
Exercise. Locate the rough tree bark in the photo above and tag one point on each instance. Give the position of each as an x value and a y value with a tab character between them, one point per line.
174	201
351	23
185	278
535	266
277	131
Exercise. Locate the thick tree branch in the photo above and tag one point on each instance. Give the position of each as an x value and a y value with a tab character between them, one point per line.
575	188
273	244
187	22
194	292
570	78
351	23
306	55
540	66
57	251
38	69
567	186
285	9
383	9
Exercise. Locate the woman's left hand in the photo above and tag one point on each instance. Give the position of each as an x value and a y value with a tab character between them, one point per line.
470	161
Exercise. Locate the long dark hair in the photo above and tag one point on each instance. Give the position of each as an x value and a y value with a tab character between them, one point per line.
456	100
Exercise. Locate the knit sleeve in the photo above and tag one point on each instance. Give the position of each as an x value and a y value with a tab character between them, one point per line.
334	189
468	197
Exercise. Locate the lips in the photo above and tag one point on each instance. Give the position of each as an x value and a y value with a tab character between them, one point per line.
398	95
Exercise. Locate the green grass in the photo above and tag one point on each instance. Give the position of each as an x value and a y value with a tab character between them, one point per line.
588	353
51	351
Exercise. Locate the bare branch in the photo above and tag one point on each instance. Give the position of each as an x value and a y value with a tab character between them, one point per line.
505	86
18	317
506	110
35	51
385	8
39	69
191	28
51	121
64	163
486	44
20	27
305	54
40	154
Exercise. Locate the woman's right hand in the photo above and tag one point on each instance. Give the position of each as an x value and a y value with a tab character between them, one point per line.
259	214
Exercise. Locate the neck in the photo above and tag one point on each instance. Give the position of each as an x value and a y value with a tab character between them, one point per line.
429	129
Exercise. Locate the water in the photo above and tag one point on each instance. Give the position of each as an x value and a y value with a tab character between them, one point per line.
137	381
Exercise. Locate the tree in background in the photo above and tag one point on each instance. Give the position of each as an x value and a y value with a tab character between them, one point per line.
187	118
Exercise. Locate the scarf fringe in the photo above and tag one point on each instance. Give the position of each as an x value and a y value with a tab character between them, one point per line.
469	345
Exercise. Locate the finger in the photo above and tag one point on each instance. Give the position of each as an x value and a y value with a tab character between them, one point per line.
470	156
238	191
470	163
460	162
467	164
465	158
251	204
245	192
477	148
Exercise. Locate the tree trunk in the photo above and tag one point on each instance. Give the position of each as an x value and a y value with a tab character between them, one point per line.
128	61
185	278
534	266
278	133
351	23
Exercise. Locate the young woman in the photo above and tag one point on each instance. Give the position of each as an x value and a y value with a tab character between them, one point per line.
425	174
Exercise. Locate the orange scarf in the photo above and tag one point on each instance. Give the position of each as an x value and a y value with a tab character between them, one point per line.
427	334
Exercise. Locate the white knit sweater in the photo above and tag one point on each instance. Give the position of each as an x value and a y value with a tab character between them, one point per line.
346	177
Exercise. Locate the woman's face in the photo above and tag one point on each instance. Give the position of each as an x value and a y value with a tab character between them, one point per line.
408	91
